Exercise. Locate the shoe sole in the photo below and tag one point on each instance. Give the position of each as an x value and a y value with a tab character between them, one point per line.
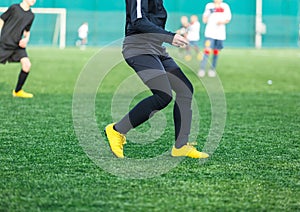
22	97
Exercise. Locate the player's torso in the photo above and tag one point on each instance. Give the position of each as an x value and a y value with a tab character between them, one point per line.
218	13
20	18
152	9
14	26
193	32
157	13
156	9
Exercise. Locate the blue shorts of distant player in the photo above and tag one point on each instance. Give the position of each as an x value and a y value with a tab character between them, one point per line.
213	43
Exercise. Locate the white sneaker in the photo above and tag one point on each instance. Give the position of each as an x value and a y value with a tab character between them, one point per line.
201	73
212	73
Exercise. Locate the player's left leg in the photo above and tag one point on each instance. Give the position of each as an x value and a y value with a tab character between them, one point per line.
212	71
207	49
199	54
182	112
194	45
218	45
18	92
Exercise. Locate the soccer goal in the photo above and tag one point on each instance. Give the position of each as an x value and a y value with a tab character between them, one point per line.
57	27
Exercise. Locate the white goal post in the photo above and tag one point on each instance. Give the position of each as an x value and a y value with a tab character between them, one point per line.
60	25
260	27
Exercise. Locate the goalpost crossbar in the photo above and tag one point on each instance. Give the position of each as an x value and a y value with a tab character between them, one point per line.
61	20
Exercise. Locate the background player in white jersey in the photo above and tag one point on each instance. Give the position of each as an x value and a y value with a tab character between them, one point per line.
83	31
184	24
216	15
184	21
193	36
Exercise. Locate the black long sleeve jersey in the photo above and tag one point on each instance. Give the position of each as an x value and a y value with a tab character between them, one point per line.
145	27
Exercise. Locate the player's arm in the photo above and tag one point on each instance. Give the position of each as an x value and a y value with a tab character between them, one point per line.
205	19
23	42
26	35
223	22
4	16
1	23
206	14
179	41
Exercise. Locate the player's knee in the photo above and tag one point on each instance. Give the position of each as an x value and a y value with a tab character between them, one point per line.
216	52
163	100
187	92
206	51
26	65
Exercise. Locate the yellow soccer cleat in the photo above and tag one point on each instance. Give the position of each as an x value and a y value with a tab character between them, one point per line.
116	140
188	151
22	94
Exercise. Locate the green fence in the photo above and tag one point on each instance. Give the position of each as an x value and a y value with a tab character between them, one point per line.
106	20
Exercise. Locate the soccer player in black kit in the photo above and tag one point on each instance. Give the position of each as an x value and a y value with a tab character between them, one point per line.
143	51
15	26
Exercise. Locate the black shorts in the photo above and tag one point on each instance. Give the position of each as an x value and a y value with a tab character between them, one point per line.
15	55
150	66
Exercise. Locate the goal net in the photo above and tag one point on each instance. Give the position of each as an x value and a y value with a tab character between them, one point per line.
49	26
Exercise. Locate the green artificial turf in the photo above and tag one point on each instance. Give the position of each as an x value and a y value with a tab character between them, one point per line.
255	166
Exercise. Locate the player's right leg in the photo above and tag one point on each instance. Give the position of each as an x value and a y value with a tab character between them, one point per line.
21	56
152	73
18	92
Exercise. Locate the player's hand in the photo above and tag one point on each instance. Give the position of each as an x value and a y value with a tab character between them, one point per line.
23	43
179	41
222	22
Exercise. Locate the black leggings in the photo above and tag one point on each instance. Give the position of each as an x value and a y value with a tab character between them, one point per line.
161	75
